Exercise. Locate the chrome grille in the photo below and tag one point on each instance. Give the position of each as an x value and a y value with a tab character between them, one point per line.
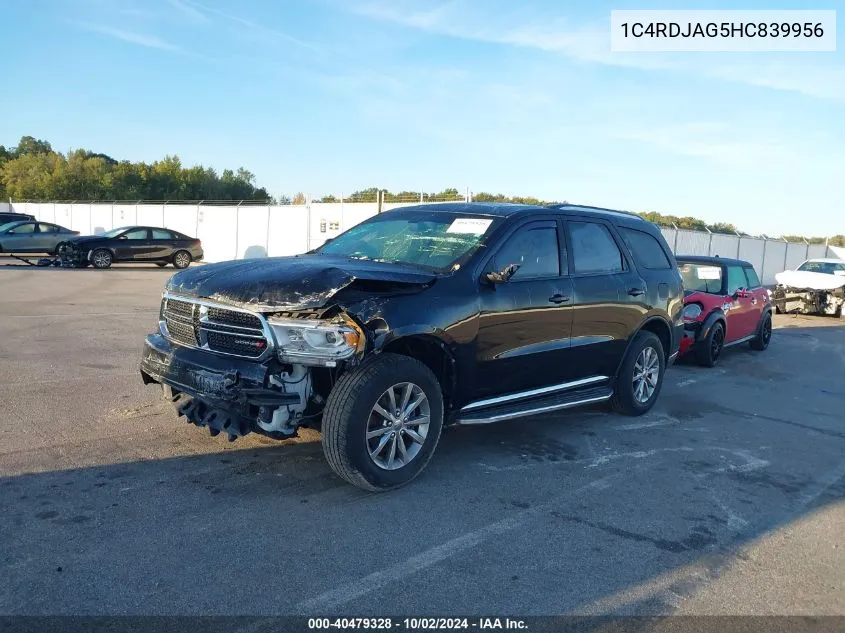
215	328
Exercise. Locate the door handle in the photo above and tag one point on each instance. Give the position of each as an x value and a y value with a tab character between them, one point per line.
559	298
636	292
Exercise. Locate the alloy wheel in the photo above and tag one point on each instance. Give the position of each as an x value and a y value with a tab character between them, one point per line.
716	343
398	426
182	260
646	374
101	259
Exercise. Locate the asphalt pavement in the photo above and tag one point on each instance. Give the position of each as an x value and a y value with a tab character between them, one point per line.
727	498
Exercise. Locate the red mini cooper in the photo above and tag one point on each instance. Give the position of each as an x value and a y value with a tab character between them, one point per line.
724	305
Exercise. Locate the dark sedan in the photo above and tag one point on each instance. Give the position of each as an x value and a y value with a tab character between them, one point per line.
144	244
33	237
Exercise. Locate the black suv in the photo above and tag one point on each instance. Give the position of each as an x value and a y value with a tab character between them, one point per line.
418	318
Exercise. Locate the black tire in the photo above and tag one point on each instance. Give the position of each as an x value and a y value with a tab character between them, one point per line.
161	264
349	411
709	349
624	399
102	258
58	250
182	259
764	334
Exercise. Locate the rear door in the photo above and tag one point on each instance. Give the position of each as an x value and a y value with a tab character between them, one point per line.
164	244
134	245
48	236
743	314
607	298
524	323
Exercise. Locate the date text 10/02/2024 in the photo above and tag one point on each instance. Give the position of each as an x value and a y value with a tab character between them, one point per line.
417	624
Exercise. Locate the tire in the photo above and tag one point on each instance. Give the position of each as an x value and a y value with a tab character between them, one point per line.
58	250
350	416
102	258
709	350
181	259
764	334
625	400
161	264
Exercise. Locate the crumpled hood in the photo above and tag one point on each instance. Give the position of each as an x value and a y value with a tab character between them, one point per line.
805	280
83	239
301	282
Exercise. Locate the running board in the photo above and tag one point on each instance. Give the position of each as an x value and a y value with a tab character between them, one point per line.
536	406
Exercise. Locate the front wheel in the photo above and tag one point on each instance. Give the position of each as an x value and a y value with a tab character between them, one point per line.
382	422
182	259
640	377
710	348
101	258
764	334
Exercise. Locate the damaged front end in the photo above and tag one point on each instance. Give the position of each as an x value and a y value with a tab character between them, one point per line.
235	371
789	300
72	255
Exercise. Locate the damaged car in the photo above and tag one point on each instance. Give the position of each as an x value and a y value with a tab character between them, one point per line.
136	244
724	305
421	317
816	287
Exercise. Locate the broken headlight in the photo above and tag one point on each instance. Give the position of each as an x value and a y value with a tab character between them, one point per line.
314	342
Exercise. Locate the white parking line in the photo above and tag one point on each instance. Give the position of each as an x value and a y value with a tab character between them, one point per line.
375	581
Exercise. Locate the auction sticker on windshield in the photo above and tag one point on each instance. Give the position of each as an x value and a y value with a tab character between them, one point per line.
472	226
709	272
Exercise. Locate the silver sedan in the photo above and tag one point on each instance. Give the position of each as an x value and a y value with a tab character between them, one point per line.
32	237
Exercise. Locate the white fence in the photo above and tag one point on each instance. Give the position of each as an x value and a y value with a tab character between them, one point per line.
247	231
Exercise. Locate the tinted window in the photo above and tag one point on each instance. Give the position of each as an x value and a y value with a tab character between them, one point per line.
593	249
23	229
161	234
48	228
647	250
535	250
736	279
137	234
753	279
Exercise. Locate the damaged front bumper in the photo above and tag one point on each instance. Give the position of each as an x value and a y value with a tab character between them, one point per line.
73	255
226	394
807	301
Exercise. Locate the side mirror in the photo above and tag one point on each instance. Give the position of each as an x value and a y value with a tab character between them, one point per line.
503	275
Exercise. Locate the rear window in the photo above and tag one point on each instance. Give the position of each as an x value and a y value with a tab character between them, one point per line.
701	277
646	249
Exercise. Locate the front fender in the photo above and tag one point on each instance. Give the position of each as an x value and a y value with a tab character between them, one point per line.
712	318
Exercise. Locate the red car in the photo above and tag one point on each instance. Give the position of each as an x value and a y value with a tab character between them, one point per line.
724	305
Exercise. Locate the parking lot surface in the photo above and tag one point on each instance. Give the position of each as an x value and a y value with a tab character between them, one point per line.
726	498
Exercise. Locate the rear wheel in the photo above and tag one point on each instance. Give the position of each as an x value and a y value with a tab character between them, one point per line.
382	422
709	350
182	259
101	258
764	334
640	377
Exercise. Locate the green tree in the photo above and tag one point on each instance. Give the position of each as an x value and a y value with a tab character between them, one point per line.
32	170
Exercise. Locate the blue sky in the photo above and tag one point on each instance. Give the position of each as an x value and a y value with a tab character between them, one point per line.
328	96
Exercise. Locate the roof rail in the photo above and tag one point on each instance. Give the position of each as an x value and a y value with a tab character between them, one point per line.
594	208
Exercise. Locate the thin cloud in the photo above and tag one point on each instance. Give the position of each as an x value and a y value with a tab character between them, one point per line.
189	11
591	44
140	39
